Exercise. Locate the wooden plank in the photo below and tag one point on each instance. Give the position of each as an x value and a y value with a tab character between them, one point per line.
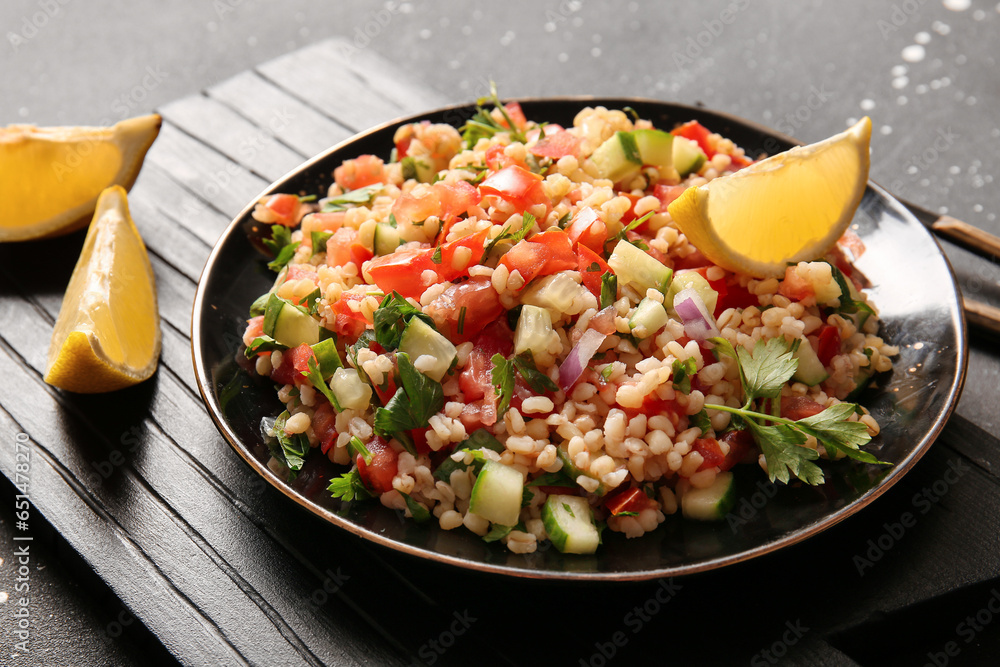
218	126
317	76
212	180
250	95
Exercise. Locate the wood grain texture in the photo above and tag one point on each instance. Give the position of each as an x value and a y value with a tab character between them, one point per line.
224	569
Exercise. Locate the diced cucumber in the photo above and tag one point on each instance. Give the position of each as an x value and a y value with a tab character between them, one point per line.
634	266
648	318
418	169
688	278
351	391
573	472
688	157
556	293
386	239
482	439
569	521
534	331
419	339
496	495
810	370
712	503
656	148
617	158
288	324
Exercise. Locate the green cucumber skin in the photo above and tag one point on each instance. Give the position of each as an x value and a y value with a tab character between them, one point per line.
713	503
496	495
576	534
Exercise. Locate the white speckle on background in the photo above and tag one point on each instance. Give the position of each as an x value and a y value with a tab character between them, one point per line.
454	64
978	208
957	5
466	30
995	132
23	112
550	27
425	34
960	59
970	100
507	38
940	28
913	53
922	38
851	121
901	100
867	105
563	57
921	89
899	70
885	129
596	52
596	39
211	26
954	169
900	82
3	597
942	210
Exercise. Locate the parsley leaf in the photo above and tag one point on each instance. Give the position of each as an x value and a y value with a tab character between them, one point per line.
417	511
609	289
358	449
701	420
765	371
349	487
280	237
783	455
537	380
413	404
832	429
683	371
502	376
553	479
391	317
450	465
436	257
283	257
319	240
293	447
315	377
311	301
263	344
848	304
352	197
497	532
507	235
483	125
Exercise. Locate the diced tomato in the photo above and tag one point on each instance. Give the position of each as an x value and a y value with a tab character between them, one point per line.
629	214
360	254
338	246
697	133
628	500
359	172
255	327
419	204
587	228
377	475
541	255
294	362
476	381
419	436
463	310
853	243
496	159
736	297
324	426
445	200
794	286
516	185
322	222
402	271
346	321
829	343
741	444
799	407
451	268
654	405
550	129
586	259
556	145
695	260
456	198
739	161
710	451
655	253
667	193
298	272
285	209
516	115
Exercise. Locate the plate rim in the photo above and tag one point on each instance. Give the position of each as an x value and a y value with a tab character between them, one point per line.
802	533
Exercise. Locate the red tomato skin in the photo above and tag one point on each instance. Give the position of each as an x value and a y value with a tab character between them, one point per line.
586	258
323	424
480	301
741	444
285	208
697	133
516	115
799	407
361	171
794	286
541	255
587	228
829	343
667	193
736	297
556	145
628	500
476	243
710	451
377	475
293	363
255	328
402	271
346	321
516	185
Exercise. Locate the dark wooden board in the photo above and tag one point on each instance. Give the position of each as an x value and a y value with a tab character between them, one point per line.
223	569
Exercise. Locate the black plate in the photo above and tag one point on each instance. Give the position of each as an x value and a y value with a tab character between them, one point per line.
912	284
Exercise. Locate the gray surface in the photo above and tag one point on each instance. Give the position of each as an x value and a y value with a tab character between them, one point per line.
804	68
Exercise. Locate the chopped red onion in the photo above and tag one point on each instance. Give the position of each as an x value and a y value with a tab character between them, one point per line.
581	354
698	322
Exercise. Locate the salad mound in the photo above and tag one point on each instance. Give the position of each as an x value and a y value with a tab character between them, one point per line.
500	327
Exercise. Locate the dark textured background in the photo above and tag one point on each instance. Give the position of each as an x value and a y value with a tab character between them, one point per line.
924	72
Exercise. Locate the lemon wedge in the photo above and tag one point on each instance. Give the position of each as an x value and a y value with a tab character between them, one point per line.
50	177
788	208
107	335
